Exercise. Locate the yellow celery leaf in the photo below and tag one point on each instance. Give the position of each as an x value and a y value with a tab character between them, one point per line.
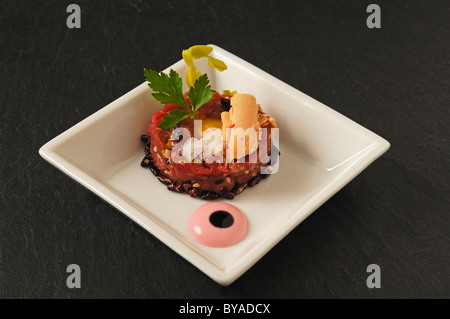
187	57
217	64
192	75
227	92
200	51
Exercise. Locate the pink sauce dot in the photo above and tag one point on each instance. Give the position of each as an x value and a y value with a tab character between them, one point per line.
218	225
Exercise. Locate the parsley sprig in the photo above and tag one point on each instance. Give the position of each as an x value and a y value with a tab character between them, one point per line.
168	89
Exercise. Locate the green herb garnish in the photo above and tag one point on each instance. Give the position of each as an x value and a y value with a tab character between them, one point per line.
168	89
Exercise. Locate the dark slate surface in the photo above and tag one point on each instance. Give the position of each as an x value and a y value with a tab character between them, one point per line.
394	81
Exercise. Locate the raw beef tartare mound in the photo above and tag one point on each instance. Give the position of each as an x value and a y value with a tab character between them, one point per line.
204	143
201	179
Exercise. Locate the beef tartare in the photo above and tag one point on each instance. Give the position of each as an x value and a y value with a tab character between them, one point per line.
204	143
205	180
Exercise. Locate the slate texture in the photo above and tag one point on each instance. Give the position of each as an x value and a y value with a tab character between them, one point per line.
395	81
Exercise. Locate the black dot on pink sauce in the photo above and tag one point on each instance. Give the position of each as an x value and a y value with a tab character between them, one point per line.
221	219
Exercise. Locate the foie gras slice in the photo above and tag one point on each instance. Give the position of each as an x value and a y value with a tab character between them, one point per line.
240	126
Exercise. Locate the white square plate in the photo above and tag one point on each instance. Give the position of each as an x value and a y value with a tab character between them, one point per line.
321	151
